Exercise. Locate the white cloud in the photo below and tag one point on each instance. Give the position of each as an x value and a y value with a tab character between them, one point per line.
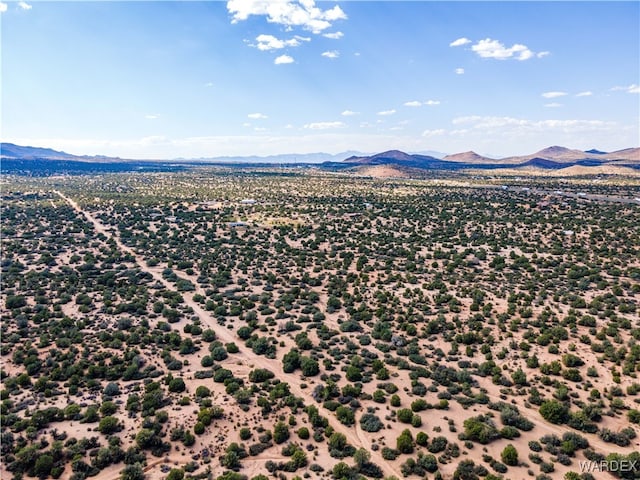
269	42
324	125
3	7
387	112
553	105
154	140
554	94
431	103
334	35
283	59
413	103
349	113
633	88
434	133
459	42
459	71
24	6
584	94
506	125
459	131
260	129
331	54
542	54
487	121
489	48
152	117
208	84
523	135
257	116
290	13
246	124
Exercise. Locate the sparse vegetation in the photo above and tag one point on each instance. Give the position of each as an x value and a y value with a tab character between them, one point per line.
434	321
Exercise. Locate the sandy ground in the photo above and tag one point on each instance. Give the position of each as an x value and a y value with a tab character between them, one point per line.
245	356
221	432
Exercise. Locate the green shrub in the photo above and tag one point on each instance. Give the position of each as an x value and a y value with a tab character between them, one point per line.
510	455
554	411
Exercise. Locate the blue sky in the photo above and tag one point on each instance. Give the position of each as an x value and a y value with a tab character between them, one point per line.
243	77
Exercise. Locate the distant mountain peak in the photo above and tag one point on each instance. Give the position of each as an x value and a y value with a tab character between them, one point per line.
10	150
469	156
390	157
554	150
394	154
594	151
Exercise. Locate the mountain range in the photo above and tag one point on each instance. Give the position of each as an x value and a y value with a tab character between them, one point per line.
10	150
554	157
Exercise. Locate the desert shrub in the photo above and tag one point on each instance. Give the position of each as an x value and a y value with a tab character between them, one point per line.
510	416
221	375
438	444
177	385
618	464
309	366
634	415
554	411
260	375
404	415
418	405
480	429
280	432
389	453
622	438
404	443
509	432
370	423
202	392
509	455
420	466
422	439
109	425
466	470
345	415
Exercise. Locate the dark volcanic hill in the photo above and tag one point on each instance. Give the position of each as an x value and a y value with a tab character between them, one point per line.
388	157
396	157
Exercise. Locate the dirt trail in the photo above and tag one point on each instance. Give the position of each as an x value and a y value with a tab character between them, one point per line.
227	336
